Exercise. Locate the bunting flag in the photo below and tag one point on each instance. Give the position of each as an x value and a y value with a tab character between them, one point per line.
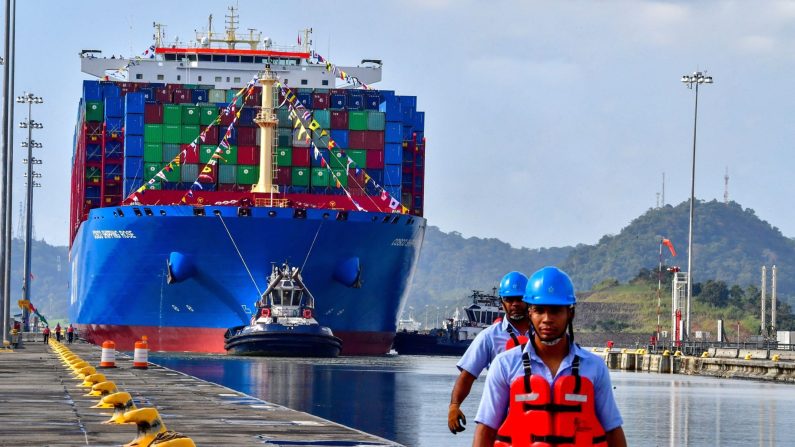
331	68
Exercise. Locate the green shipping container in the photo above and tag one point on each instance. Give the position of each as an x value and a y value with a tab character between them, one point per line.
174	174
153	152
206	152
208	115
357	120
153	133
227	174
190	115
284	156
320	177
189	133
230	94
229	155
337	159
286	137
284	118
323	117
216	95
172	134
170	151
301	176
191	86
359	157
95	111
150	169
247	175
375	120
342	176
172	114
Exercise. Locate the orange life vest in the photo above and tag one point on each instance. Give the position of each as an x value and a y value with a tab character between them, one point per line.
515	340
562	415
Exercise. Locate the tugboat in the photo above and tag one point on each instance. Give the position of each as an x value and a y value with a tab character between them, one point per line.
284	324
456	333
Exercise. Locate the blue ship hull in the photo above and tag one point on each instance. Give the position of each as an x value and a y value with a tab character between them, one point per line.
120	288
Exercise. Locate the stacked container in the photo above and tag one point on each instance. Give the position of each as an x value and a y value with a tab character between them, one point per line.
131	131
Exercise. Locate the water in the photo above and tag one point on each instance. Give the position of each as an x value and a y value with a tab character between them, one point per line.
405	399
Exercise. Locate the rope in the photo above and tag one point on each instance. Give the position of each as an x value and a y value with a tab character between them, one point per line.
259	292
311	246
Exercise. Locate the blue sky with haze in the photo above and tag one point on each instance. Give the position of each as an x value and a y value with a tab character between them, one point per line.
548	123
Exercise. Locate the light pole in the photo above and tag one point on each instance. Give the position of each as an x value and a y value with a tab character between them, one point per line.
29	124
692	81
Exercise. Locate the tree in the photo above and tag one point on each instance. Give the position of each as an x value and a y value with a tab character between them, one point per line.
715	293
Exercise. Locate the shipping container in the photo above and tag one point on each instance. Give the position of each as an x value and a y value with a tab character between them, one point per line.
375	160
247	116
199	96
284	175
339	119
134	103
247	136
248	155
320	176
320	158
284	156
227	174
393	133
110	90
356	139
359	157
134	124
216	95
153	133
114	150
372	100
189	134
133	145
375	120
191	153
153	113
181	95
355	101
153	152
172	114
283	114
391	109
92	91
341	175
207	115
300	176
170	151
392	175
162	95
247	175
301	157
373	140
320	100
340	138
95	111
189	115
323	118
189	173
320	141
130	185
357	120
211	135
300	139
338	101
207	175
229	155
113	127
206	152
393	154
285	137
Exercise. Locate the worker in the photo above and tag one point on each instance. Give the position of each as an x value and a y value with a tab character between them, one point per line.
509	332
46	333
551	390
70	333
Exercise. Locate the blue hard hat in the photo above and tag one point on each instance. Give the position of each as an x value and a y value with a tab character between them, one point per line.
513	284
550	286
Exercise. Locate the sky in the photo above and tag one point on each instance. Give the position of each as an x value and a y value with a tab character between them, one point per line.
547	123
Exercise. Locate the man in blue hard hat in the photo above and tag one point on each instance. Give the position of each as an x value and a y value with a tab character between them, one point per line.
550	392
511	331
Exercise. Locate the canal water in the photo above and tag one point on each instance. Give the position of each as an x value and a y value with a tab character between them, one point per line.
405	399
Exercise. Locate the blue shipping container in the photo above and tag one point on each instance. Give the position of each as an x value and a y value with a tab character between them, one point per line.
393	191
92	192
338	102
113	171
114	150
305	99
419	121
393	133
340	137
324	154
232	136
131	185
133	167
392	175
110	90
93	152
133	124
198	96
372	101
393	154
134	102
147	94
391	106
247	116
355	101
92	91
133	146
408	132
113	125
114	107
408	101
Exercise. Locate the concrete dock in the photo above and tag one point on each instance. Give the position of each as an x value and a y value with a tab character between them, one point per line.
42	404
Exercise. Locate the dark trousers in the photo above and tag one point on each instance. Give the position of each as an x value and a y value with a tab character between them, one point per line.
58	336
70	336
46	338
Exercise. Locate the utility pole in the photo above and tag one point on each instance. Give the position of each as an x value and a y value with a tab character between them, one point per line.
6	169
764	302
726	186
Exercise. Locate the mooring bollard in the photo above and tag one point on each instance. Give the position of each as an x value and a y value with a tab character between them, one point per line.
108	358
141	354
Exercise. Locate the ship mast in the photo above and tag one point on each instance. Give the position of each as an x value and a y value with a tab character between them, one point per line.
267	121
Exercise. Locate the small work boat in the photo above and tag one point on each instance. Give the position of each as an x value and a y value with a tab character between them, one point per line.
284	324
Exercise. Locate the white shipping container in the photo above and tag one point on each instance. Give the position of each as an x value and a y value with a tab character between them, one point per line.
785	337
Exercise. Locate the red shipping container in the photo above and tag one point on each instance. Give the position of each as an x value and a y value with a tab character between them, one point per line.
182	95
375	159
247	136
226	118
153	113
254	99
355	180
339	119
211	136
172	87
373	140
208	177
338	91
191	154
320	101
247	155
163	95
231	187
284	176
356	139
300	157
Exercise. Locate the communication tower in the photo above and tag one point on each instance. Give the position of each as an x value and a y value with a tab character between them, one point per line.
726	186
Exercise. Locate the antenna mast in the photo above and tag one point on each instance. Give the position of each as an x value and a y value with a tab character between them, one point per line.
726	186
662	197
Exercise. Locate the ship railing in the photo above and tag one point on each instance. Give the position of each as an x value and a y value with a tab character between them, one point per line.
271	203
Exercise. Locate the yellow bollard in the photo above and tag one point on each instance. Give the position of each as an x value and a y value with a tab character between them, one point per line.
121	402
776	357
92	379
149	425
102	389
705	354
748	356
666	353
172	439
678	354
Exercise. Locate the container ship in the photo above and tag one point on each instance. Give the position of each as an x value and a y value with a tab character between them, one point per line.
197	166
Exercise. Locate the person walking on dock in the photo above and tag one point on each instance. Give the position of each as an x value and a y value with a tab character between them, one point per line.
509	332
550	390
46	333
70	333
58	332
